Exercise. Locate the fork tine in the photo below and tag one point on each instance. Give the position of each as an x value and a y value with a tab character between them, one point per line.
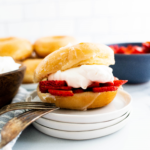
17	124
27	105
32	107
32	103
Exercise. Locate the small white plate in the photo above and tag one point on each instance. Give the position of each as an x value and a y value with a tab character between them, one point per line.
119	106
82	135
30	86
79	127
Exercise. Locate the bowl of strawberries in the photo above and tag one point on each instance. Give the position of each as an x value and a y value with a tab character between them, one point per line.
132	61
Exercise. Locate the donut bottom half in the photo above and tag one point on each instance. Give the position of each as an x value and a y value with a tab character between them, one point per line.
79	101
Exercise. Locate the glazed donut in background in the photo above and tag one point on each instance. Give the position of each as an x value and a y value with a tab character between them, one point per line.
47	45
31	65
34	55
78	77
17	48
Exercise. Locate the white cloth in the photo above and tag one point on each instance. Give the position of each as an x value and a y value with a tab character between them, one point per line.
20	97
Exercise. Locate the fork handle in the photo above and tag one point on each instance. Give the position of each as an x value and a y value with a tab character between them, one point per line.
13	127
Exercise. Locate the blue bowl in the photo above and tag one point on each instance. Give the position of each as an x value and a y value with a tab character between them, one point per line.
134	67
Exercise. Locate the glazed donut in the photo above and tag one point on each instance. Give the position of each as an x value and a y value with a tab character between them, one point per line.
73	56
47	45
17	48
34	55
31	65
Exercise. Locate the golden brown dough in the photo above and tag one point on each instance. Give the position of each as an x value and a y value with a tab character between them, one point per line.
34	55
17	48
70	57
31	65
47	45
74	56
80	101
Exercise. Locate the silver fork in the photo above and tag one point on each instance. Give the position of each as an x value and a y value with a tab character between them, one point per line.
26	105
13	127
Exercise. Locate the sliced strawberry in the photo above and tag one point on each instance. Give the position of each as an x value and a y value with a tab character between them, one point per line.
94	84
53	83
60	92
105	89
65	87
115	78
107	84
78	90
120	82
57	87
43	90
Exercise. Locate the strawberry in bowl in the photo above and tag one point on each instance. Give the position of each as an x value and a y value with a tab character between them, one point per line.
132	61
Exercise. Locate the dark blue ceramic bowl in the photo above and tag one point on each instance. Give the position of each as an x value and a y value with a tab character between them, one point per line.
135	67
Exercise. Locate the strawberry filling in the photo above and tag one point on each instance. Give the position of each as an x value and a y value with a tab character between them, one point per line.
78	90
60	88
105	89
53	83
60	92
94	84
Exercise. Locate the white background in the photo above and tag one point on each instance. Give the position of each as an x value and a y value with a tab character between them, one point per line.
104	21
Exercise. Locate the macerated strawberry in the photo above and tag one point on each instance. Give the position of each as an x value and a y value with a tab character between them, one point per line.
120	82
105	89
146	47
137	50
115	48
78	90
94	84
61	92
122	50
53	83
57	87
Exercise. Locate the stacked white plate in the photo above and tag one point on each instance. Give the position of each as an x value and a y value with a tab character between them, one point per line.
81	125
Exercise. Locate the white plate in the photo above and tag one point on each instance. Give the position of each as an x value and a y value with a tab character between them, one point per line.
81	135
79	127
119	106
30	86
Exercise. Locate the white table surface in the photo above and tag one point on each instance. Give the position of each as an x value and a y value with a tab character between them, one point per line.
134	136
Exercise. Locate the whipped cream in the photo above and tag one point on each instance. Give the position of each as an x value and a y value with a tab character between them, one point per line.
84	75
7	64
